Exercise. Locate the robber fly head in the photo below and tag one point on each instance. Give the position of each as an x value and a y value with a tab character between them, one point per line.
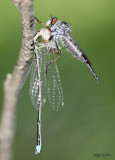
54	21
59	26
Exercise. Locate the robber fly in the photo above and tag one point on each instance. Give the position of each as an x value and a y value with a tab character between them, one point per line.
60	30
43	75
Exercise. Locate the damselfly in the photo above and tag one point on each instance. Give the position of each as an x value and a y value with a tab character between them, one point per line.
41	83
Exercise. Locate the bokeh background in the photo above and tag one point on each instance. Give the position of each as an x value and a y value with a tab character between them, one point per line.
86	124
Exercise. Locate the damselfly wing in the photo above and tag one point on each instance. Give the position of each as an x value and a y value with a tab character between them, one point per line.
38	83
42	86
54	87
51	87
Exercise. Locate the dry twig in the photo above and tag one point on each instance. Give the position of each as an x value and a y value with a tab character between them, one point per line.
8	117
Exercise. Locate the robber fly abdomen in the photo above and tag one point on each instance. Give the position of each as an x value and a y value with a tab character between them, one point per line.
73	47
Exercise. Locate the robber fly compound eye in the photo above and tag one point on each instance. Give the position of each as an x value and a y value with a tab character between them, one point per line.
53	21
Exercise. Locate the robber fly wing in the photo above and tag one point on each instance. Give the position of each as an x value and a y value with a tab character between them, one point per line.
54	87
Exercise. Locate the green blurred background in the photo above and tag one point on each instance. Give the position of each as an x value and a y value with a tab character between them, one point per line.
86	125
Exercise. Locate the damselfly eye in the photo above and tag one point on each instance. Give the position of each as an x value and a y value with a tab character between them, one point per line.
54	20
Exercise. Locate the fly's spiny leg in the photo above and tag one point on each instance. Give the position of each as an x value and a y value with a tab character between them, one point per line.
52	61
44	41
59	51
32	48
42	24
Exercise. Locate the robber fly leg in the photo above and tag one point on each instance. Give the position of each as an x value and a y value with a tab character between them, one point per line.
59	51
44	41
42	24
52	61
32	48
